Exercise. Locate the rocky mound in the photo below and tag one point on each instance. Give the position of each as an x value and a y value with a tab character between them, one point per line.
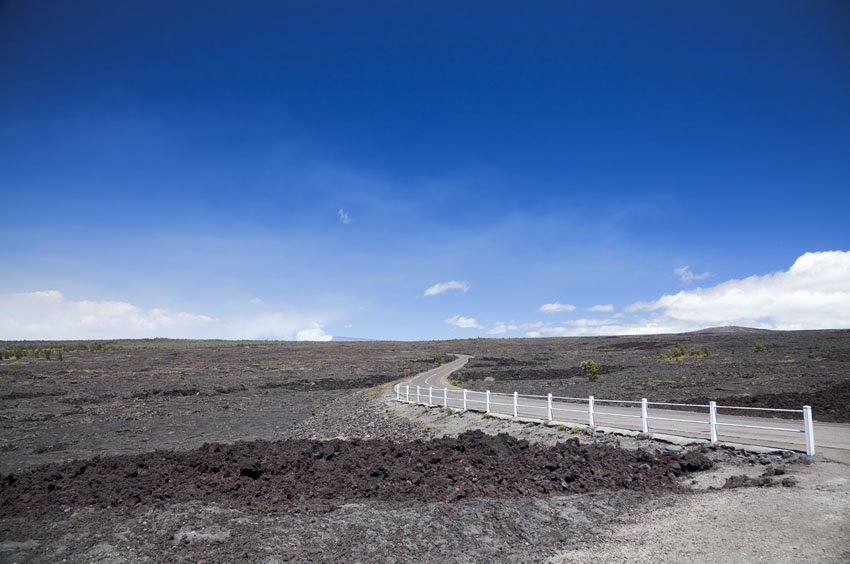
282	475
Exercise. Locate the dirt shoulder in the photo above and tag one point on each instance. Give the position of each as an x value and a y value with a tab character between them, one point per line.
807	523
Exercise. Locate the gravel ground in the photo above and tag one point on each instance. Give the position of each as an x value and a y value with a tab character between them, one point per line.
807	523
714	515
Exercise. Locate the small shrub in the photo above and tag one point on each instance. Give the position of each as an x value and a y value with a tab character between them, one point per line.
561	427
590	369
438	358
588	431
679	352
761	347
486	416
575	430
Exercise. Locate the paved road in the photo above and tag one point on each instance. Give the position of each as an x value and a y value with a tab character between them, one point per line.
832	440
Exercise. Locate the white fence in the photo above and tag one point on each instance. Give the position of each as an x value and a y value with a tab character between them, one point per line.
623	413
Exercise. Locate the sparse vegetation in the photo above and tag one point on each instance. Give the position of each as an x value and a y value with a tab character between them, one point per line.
575	430
561	427
590	369
457	379
760	347
679	352
438	359
39	350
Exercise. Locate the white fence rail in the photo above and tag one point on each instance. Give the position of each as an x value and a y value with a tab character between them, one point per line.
588	411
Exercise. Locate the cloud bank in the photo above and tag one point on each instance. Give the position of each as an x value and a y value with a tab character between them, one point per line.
814	293
441	288
49	315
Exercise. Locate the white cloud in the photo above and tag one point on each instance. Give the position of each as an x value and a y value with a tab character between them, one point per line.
501	327
443	287
460	322
601	307
814	293
51	315
256	300
343	216
556	308
685	275
315	333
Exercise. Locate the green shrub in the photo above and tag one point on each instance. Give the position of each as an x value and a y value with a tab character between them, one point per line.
590	369
761	347
679	352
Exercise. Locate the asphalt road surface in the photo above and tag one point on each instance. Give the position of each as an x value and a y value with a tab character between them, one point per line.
832	440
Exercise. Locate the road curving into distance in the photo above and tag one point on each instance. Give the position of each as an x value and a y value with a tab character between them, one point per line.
832	440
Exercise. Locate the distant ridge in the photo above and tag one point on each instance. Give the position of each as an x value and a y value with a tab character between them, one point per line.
350	339
728	330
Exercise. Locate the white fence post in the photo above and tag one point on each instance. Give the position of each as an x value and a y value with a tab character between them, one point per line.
430	395
810	430
712	421
488	401
407	394
590	411
644	416
515	405
464	399
398	392
417	395
549	407
445	397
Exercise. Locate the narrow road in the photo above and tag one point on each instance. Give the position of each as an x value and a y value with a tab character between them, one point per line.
832	440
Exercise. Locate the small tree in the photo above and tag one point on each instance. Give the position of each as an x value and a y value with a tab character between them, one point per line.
590	369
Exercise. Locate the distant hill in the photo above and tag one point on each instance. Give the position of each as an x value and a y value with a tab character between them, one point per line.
350	339
729	330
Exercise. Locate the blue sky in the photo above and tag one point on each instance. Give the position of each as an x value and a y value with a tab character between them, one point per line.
178	169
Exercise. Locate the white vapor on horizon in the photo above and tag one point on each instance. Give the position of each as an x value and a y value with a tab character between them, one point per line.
49	315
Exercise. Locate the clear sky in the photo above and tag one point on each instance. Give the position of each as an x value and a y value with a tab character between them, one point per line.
419	170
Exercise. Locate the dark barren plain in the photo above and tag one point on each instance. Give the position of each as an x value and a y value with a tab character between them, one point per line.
222	451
